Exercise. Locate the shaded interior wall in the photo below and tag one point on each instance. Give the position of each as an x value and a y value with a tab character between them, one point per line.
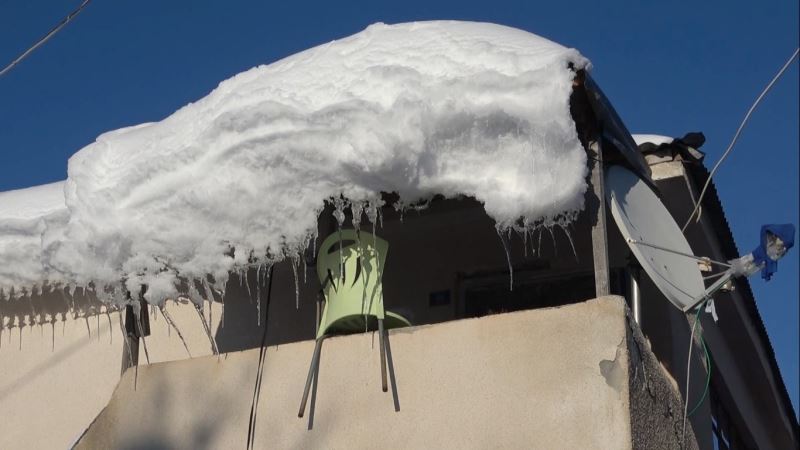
439	259
547	378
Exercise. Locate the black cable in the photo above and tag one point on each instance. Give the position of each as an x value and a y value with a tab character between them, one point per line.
45	38
251	429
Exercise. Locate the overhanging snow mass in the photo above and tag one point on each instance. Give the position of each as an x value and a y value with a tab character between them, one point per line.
451	108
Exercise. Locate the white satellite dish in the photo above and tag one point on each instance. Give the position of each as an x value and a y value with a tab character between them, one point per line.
654	237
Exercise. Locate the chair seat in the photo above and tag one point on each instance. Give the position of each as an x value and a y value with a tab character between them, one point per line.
355	323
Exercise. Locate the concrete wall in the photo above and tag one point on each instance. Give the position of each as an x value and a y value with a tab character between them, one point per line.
548	378
56	381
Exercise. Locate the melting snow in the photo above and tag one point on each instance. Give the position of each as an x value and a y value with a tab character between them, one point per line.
452	108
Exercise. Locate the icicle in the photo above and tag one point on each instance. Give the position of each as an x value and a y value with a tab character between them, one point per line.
508	259
177	331
88	330
200	301
208	288
210	312
222	303
125	339
247	283
137	316
357	209
539	245
312	240
372	211
97	314
146	354
207	330
110	329
553	237
295	262
20	337
569	238
374	215
222	316
302	253
525	242
400	207
305	273
341	254
258	295
210	292
53	335
338	210
193	293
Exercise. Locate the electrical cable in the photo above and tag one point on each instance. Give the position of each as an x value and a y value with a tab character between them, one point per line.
736	137
708	377
699	310
251	430
45	38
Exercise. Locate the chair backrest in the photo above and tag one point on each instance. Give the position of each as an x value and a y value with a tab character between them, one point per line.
350	268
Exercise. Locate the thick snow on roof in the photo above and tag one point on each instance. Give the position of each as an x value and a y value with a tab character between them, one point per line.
25	214
452	108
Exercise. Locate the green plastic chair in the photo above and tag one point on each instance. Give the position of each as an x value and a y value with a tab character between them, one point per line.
350	268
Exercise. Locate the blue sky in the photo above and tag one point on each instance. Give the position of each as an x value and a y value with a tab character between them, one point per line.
668	67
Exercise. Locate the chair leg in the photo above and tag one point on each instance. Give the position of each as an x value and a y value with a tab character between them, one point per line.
311	371
313	404
383	355
391	373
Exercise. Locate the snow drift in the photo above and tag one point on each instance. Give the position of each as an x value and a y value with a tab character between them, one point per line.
451	108
24	216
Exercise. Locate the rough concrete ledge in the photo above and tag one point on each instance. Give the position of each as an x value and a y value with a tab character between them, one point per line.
547	378
656	402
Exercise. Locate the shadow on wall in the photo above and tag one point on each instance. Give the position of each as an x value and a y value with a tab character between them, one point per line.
202	430
42	369
48	305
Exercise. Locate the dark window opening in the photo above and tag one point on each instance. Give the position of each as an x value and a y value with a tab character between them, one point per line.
490	294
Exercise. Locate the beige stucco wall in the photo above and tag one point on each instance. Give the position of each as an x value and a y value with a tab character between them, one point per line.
548	378
52	387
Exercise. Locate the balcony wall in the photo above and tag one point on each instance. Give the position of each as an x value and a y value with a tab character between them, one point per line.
55	380
577	376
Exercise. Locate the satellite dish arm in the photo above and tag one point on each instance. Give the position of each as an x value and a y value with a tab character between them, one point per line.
772	248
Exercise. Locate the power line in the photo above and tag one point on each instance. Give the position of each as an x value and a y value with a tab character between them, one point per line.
736	137
45	38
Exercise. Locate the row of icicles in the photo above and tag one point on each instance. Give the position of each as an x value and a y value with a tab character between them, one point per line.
44	304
